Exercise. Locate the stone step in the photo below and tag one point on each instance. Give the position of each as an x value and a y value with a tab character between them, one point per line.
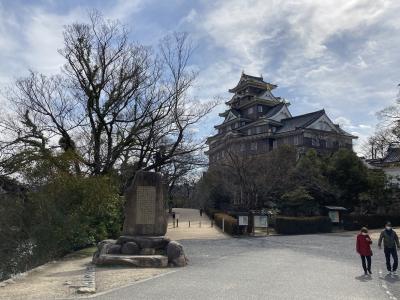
139	261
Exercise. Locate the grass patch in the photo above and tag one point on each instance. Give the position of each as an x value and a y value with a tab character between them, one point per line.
85	252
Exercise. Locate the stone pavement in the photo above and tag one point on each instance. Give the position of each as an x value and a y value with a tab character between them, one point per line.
200	227
318	266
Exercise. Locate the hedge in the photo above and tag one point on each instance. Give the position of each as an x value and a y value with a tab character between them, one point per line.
355	222
299	225
64	215
210	212
230	223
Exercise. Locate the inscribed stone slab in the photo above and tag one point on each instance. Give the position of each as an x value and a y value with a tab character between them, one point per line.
146	204
145	209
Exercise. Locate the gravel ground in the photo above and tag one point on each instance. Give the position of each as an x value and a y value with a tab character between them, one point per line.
48	281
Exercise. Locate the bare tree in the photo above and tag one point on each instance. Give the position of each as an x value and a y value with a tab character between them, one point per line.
387	131
115	104
254	180
181	174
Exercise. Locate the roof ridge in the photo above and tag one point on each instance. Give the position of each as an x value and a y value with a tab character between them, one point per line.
307	114
252	76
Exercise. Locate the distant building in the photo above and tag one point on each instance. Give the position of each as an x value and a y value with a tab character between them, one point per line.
257	122
390	164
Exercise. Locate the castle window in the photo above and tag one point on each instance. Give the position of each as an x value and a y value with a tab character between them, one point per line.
249	131
260	108
251	110
242	147
315	142
258	129
253	146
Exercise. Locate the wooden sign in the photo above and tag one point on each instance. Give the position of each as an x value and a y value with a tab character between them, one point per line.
243	220
261	221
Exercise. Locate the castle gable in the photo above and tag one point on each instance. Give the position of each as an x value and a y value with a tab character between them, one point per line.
231	116
323	123
279	112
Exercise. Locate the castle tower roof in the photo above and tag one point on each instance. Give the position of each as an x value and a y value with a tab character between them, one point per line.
253	81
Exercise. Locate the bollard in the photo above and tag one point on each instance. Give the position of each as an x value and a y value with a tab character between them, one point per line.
174	223
189	224
223	225
177	222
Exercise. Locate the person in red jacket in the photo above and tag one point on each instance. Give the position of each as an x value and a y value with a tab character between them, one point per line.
363	247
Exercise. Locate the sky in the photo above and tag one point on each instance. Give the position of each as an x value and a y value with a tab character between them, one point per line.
340	55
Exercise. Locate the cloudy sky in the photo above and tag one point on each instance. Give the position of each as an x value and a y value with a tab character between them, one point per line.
340	55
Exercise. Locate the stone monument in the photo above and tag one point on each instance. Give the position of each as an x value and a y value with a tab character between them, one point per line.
143	242
145	209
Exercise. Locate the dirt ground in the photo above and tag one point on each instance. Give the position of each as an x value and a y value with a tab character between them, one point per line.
50	281
60	279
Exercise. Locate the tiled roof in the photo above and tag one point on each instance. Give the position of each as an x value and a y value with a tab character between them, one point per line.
234	111
252	77
392	155
252	80
274	110
301	121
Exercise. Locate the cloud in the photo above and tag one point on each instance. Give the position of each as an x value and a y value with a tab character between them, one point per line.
337	55
342	121
30	35
340	55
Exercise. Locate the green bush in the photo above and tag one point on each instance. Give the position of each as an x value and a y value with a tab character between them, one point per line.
355	222
66	214
230	223
300	225
210	212
72	212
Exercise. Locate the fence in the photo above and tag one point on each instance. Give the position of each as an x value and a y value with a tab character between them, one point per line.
190	224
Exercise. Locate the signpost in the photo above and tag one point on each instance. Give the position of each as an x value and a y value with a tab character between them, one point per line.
334	216
243	220
261	221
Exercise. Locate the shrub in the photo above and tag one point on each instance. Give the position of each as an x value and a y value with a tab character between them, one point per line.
355	222
72	212
299	225
66	214
230	223
298	202
210	212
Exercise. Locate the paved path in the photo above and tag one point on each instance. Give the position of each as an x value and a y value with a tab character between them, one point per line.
277	267
200	226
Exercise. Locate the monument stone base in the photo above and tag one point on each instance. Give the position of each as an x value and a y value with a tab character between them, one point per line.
140	252
143	243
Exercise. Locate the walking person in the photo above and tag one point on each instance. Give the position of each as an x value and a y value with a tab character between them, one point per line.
363	247
390	246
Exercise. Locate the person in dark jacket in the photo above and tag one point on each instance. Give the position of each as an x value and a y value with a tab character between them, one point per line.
363	247
390	246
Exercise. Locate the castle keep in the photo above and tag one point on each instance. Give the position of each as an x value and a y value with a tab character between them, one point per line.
257	122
